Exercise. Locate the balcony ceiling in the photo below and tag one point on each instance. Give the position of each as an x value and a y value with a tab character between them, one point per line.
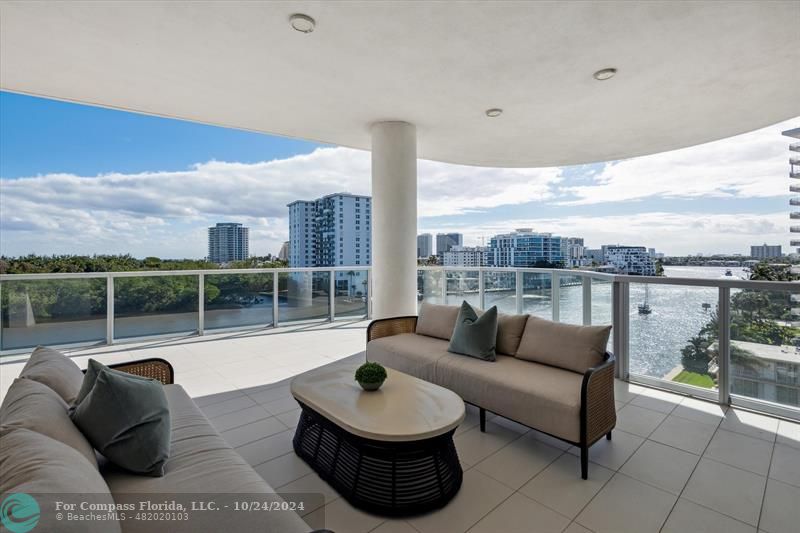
687	72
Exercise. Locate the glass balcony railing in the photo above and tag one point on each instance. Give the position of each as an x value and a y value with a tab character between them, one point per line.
53	311
155	305
729	340
238	300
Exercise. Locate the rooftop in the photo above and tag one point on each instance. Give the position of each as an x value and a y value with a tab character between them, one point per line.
675	464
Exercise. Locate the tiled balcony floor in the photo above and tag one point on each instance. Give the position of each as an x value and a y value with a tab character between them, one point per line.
674	465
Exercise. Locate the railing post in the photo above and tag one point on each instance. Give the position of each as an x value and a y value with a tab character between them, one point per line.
555	295
444	286
109	309
481	301
275	299
1	317
724	346
201	304
331	295
586	286
369	293
620	316
520	291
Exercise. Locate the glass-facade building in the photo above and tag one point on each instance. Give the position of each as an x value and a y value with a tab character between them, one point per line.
525	248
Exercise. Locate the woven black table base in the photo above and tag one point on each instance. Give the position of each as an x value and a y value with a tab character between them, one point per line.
386	478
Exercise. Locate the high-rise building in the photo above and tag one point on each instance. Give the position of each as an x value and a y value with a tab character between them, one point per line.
573	251
633	260
469	256
445	241
766	251
424	246
283	254
330	231
525	248
228	241
794	173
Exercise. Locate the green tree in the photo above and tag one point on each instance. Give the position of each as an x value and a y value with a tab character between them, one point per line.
695	356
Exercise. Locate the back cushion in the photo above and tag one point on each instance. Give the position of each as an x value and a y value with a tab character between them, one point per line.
57	371
31	405
36	464
576	348
437	320
509	332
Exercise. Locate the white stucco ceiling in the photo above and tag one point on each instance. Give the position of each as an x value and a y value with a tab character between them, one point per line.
688	72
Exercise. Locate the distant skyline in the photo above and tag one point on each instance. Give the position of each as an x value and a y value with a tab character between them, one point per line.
86	180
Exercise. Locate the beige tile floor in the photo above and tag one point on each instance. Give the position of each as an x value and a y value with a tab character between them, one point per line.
674	465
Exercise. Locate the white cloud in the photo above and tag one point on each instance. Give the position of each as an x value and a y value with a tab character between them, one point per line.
746	166
165	213
673	233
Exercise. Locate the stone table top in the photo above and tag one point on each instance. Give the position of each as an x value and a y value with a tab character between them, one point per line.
405	408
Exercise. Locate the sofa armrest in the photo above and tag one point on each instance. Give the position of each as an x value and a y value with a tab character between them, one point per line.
598	411
386	327
149	368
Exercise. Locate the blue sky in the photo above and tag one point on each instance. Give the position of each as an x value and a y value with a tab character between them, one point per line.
80	179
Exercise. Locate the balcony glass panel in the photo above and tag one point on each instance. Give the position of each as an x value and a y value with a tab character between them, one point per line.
155	305
500	289
571	300
602	304
674	333
462	285
537	294
237	300
304	296
429	286
59	311
352	288
765	346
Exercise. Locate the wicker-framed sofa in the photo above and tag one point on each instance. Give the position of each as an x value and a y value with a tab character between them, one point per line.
575	407
42	451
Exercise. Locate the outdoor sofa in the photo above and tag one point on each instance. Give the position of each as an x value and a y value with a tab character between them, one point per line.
549	376
42	451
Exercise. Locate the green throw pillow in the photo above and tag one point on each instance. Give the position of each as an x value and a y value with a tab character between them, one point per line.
473	335
90	377
126	418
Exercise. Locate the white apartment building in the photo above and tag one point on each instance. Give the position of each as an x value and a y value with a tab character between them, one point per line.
525	248
228	241
574	252
330	231
634	260
424	246
468	256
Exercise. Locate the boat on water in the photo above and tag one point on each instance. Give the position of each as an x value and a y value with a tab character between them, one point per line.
728	273
644	308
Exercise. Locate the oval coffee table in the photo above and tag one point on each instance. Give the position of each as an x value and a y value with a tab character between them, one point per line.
388	452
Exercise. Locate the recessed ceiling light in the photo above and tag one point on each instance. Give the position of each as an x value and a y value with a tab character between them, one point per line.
494	112
605	74
302	23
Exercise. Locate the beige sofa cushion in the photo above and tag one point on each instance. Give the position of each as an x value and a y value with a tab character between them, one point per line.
57	371
509	332
576	348
31	405
201	462
36	464
437	320
536	395
413	354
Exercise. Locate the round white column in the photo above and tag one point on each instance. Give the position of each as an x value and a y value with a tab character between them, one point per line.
394	219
